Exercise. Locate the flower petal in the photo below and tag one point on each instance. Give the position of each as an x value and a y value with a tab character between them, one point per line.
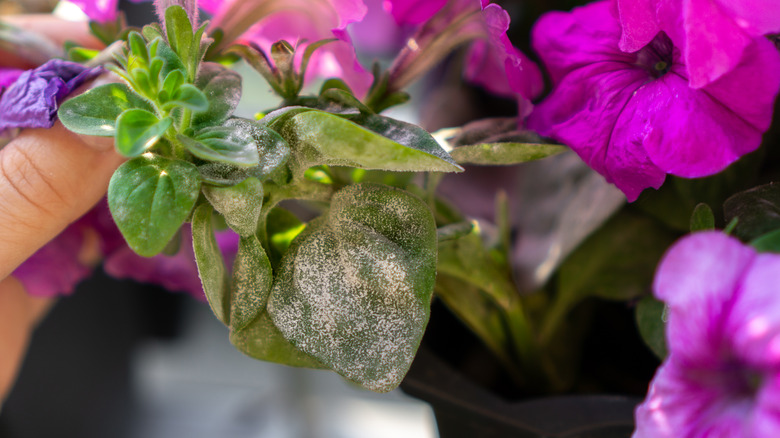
697	278
413	11
637	18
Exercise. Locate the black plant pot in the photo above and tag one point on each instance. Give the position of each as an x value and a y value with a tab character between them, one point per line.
464	409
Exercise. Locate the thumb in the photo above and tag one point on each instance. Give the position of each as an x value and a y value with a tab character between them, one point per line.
48	179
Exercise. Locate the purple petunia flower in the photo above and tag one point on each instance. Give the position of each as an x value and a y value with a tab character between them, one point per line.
58	267
633	116
8	76
265	22
722	375
32	100
712	34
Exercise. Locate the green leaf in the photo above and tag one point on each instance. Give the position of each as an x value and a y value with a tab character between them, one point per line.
239	204
152	32
81	54
273	151
187	96
317	137
222	88
758	210
138	46
650	318
137	130
211	266
95	111
171	84
170	58
702	218
179	31
504	153
252	280
150	197
617	262
769	242
262	340
234	143
354	289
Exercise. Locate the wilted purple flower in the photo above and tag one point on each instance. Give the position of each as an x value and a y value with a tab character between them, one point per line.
711	34
32	100
633	116
492	61
265	22
58	267
722	375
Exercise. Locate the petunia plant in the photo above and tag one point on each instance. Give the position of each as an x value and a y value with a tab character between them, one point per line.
322	230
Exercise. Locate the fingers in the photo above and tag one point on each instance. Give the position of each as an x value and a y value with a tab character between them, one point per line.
19	313
48	179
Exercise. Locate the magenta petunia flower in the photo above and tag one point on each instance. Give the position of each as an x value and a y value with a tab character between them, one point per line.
413	11
100	10
265	22
31	101
58	267
722	375
711	34
633	116
491	62
8	76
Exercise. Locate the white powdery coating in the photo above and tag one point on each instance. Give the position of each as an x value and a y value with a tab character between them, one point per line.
352	297
240	204
252	278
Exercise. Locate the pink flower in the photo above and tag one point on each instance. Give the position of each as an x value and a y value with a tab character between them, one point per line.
265	22
100	10
57	268
413	11
713	35
492	61
633	116
722	375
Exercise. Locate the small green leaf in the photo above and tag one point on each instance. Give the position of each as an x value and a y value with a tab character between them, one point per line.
234	143
150	197
81	54
273	151
504	153
172	82
252	280
187	96
179	31
354	289
137	130
211	266
650	318
317	137
152	31
95	111
702	218
171	59
138	46
239	204
222	88
282	228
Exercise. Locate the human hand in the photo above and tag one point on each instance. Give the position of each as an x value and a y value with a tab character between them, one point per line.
48	179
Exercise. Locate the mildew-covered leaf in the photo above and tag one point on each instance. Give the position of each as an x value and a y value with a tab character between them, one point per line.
222	88
211	265
273	151
252	279
355	286
239	204
317	137
504	153
150	197
262	340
